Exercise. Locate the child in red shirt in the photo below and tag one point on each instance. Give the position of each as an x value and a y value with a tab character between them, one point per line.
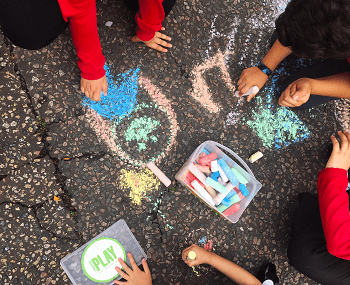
320	238
36	23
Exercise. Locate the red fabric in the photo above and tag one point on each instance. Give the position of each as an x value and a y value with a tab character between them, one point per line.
149	18
83	27
334	208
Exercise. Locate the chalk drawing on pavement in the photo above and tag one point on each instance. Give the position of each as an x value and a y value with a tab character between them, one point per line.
342	113
115	125
139	182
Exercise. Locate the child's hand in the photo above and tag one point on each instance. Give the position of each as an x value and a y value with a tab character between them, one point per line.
156	42
134	276
340	157
92	88
296	94
202	256
250	77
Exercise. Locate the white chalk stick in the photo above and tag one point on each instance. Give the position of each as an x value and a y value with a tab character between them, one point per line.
254	157
251	90
202	192
214	166
161	176
222	174
201	177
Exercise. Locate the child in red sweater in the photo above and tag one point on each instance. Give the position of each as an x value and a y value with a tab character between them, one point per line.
149	17
36	23
320	238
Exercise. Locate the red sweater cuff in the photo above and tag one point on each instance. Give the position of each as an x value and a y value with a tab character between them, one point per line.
144	35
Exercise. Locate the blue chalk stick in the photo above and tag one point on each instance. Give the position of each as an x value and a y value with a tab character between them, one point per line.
234	199
216	185
239	176
229	195
226	201
230	175
214	175
243	189
205	151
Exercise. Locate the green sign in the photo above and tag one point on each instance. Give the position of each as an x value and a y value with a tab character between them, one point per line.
100	259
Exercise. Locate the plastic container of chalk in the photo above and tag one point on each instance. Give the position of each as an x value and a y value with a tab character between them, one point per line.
253	185
119	231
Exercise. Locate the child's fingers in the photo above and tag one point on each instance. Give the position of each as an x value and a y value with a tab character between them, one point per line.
121	273
145	266
132	261
344	141
335	143
125	266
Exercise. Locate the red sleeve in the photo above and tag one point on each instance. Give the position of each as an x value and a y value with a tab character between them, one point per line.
149	18
83	26
334	208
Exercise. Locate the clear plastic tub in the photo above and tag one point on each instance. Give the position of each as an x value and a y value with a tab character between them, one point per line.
253	185
119	231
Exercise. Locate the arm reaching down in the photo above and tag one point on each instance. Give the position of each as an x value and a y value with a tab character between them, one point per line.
333	199
230	269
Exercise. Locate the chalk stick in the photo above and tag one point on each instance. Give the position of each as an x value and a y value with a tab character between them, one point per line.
161	176
251	90
205	151
222	174
221	182
229	186
218	199
230	194
204	169
205	161
233	209
234	199
254	157
243	189
214	166
230	175
201	177
214	175
202	192
191	256
217	186
239	176
226	201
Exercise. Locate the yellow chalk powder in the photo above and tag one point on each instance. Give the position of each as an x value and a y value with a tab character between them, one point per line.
139	183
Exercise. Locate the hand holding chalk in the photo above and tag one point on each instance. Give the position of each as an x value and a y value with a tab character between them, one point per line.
251	91
201	255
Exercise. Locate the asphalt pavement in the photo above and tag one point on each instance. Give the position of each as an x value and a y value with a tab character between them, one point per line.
70	168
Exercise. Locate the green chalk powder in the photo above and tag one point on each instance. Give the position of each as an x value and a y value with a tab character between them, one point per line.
140	130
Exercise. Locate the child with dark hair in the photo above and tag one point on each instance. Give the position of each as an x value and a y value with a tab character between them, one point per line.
320	239
35	24
312	29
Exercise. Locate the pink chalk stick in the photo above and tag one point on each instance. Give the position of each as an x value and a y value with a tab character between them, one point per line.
205	161
190	177
162	177
204	169
202	154
240	195
233	209
201	177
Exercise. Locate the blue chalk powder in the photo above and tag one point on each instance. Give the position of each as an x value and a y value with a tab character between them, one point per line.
121	96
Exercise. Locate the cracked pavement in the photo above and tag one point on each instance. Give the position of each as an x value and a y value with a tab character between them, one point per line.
64	170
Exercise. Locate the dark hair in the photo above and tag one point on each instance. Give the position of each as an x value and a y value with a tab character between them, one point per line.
316	28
